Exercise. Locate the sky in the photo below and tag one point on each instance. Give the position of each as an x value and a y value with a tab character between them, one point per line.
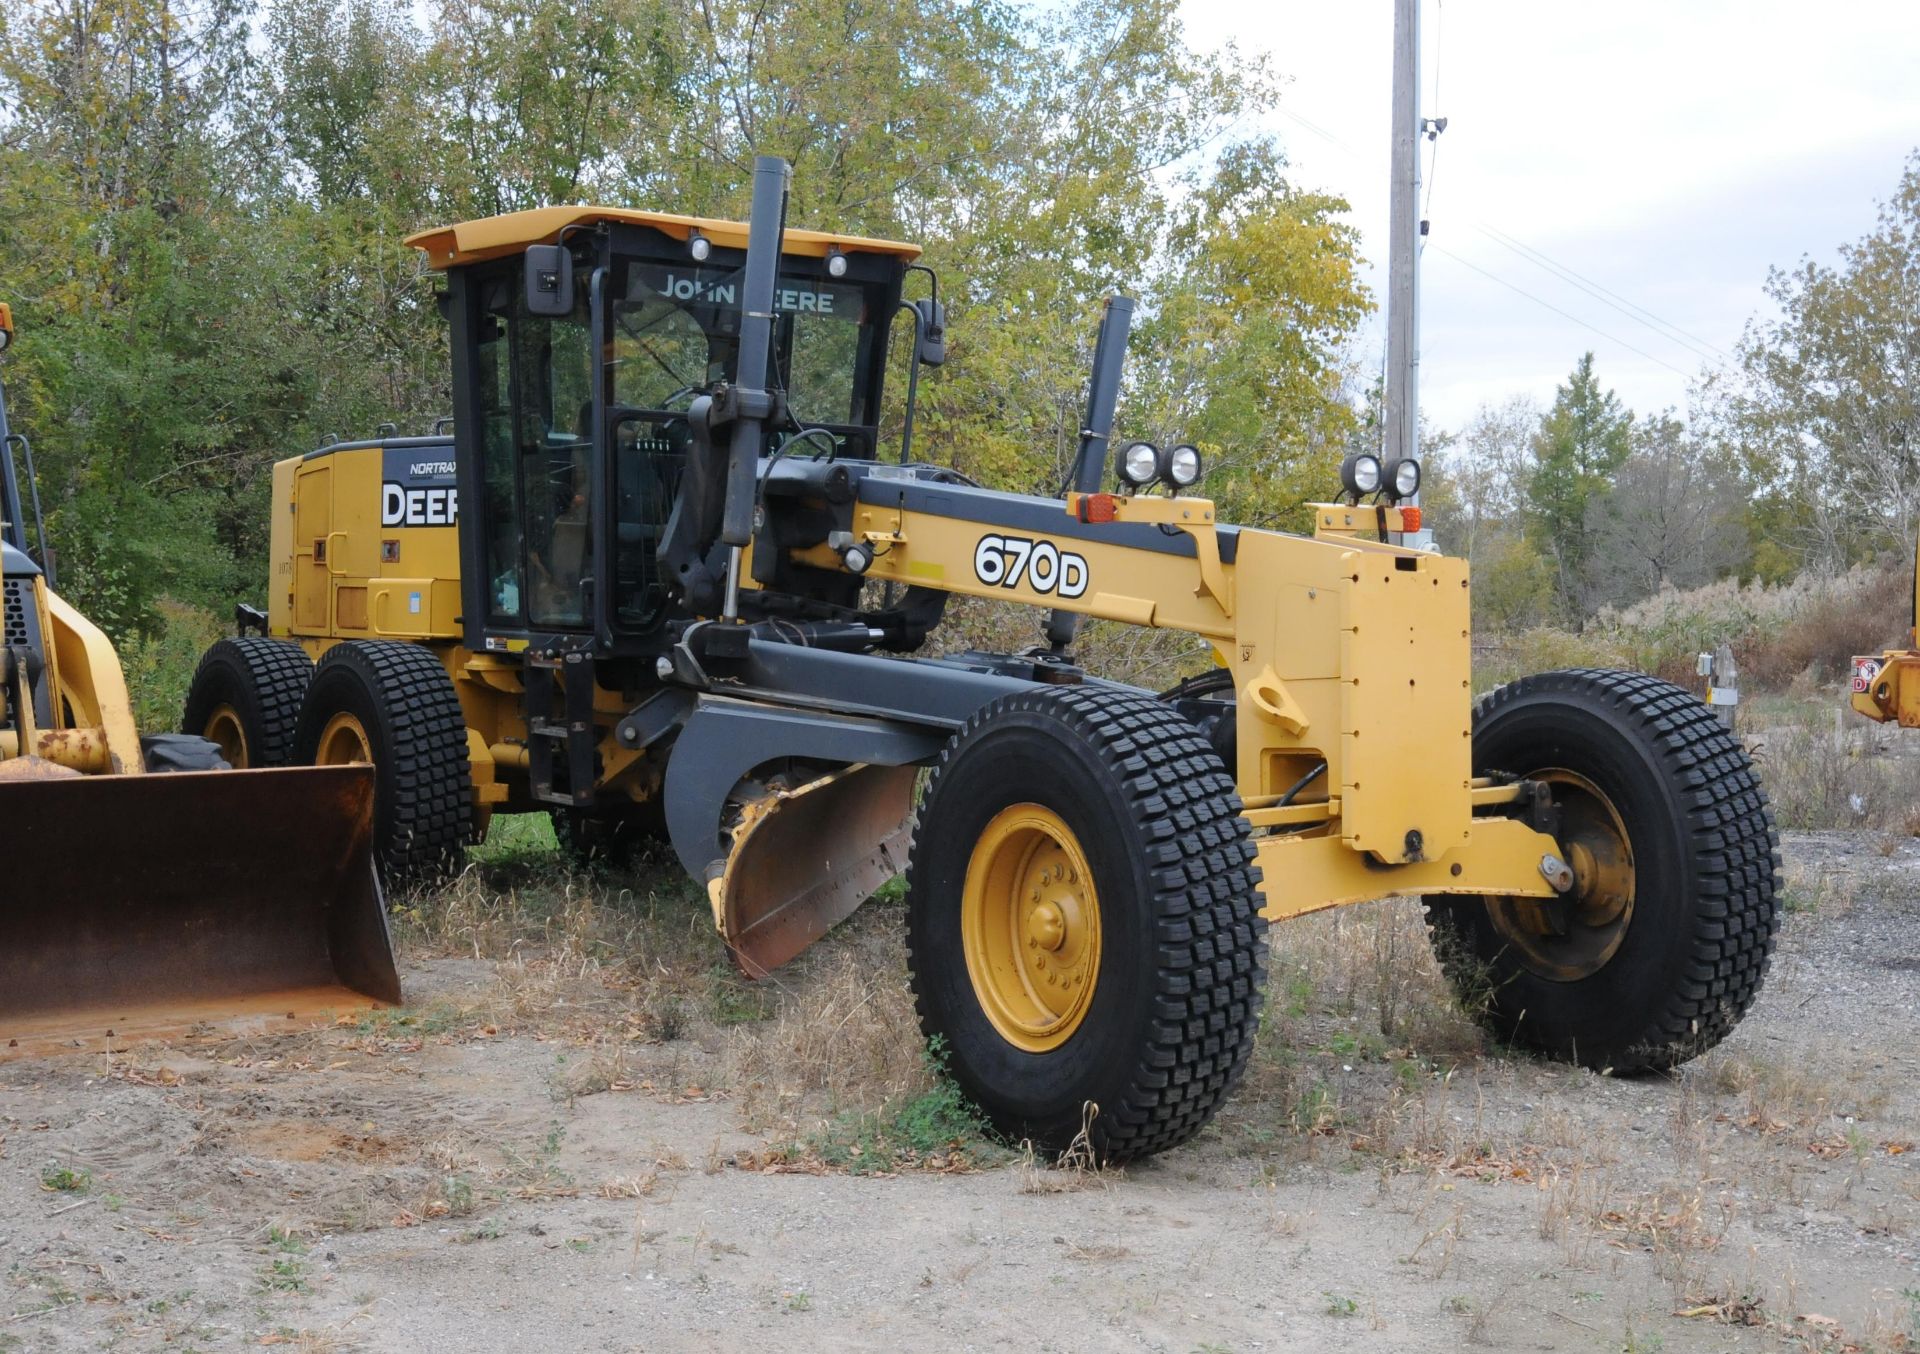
1668	153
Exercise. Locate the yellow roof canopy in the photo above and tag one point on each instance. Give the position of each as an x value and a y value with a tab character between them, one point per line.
494	236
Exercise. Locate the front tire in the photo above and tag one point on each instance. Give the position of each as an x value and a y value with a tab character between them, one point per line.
246	697
391	703
1661	946
1083	921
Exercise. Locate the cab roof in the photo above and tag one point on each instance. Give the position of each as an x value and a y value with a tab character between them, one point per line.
495	236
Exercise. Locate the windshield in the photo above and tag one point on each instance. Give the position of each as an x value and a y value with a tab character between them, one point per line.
676	335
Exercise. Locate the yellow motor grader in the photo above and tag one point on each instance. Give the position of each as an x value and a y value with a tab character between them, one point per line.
139	903
1886	686
667	577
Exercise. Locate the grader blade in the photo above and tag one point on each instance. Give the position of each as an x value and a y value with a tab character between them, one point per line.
144	906
804	859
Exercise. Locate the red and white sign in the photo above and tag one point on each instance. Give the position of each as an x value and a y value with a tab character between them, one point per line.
1865	670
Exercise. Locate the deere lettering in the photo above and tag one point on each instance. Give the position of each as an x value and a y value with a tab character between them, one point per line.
404	507
789	299
417	488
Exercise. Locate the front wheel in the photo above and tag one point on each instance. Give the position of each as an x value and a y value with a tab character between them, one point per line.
1083	921
1660	946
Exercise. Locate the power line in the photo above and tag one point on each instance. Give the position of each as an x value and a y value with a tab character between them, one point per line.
1664	329
1639	314
1511	286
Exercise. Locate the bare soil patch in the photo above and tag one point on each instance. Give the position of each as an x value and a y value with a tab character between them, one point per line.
585	1133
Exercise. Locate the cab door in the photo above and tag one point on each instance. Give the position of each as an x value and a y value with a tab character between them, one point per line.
312	528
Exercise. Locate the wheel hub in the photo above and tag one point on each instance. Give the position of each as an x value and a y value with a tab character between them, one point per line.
343	741
224	728
1574	935
1030	925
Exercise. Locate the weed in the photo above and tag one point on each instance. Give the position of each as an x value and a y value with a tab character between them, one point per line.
285	1274
66	1180
798	1301
1338	1304
934	1127
459	1195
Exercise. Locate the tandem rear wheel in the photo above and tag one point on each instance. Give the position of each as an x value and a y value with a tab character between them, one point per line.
246	697
391	703
1661	944
1084	935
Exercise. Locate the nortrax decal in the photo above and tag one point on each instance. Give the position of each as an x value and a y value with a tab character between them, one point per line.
1009	561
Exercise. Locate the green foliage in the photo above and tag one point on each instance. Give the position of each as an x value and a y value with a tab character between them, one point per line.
66	1180
159	663
1580	443
1825	410
937	1126
203	237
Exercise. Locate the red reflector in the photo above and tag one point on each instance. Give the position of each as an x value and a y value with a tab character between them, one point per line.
1409	519
1099	508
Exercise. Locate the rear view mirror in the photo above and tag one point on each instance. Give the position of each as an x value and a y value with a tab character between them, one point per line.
549	280
933	332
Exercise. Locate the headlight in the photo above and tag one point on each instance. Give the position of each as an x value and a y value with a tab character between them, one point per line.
699	246
5	339
1360	472
1406	478
836	263
1183	465
1140	464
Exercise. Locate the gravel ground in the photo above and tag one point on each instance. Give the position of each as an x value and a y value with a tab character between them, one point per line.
461	1185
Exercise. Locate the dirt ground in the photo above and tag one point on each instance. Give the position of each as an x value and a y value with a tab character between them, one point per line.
540	1154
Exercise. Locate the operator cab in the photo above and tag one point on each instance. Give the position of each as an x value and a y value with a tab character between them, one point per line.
572	425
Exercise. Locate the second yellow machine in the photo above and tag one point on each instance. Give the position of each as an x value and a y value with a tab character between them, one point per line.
664	579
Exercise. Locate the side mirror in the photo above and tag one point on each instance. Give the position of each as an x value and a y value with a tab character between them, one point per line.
549	280
933	332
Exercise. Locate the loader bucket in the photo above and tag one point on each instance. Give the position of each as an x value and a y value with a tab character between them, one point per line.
804	859
145	906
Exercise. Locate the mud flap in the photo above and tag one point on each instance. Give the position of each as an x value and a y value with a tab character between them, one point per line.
804	859
137	906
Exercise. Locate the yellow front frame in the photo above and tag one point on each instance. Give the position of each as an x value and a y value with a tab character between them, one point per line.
1343	649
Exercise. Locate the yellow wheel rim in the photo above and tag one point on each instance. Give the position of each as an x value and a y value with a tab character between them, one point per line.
1575	935
1030	926
343	741
224	728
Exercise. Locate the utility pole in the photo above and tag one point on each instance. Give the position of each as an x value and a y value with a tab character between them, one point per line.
1401	438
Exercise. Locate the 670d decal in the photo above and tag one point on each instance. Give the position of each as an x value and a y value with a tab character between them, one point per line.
1009	561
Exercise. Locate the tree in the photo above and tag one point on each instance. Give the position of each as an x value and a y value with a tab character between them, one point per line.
1828	413
1246	344
1673	517
1580	443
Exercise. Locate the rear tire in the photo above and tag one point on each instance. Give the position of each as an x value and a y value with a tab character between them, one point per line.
392	703
166	752
1661	961
1083	921
246	697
